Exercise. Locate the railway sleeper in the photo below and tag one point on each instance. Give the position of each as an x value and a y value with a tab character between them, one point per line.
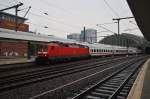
100	95
104	91
112	86
120	97
107	88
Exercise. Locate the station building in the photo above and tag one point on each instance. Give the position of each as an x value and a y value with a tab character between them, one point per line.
13	47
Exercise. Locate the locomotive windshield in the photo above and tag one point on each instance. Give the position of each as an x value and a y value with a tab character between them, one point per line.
42	48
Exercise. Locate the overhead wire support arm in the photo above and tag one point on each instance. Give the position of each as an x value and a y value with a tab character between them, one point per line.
15	6
24	17
27	11
122	18
118	21
16	12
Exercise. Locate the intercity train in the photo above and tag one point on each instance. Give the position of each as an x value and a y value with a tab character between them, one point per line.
55	51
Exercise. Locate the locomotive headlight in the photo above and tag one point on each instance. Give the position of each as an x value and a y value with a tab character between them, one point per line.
44	52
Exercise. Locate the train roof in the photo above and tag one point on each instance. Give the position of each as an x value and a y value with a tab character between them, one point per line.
102	46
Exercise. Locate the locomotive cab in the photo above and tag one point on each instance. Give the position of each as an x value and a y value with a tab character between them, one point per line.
42	53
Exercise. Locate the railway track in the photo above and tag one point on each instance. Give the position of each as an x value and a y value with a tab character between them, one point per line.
115	86
15	70
14	81
20	66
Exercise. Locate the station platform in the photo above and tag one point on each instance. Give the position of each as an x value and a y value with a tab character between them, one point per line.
141	87
13	60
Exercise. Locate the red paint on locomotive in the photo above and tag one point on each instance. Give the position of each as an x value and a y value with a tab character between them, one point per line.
63	50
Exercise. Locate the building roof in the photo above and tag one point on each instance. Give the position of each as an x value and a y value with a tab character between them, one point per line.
26	36
140	10
8	14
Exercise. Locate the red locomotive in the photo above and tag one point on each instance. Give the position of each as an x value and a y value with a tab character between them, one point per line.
57	51
61	51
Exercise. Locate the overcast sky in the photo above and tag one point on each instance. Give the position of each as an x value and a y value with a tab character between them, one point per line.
63	17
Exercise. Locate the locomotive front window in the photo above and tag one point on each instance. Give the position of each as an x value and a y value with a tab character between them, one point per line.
42	48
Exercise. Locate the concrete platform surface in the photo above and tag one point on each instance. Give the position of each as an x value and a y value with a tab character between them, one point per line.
15	60
141	87
146	85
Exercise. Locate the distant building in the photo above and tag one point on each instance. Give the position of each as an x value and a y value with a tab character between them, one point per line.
8	21
74	36
90	35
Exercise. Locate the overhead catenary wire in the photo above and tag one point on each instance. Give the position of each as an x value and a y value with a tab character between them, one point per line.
55	6
55	29
45	26
59	8
106	29
115	13
52	20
